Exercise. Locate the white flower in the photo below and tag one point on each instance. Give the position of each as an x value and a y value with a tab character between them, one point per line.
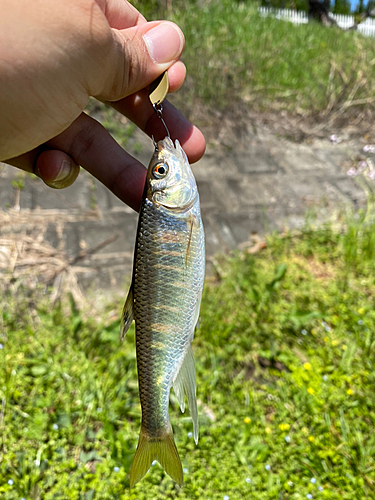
313	480
268	467
248	480
335	139
10	482
185	470
287	439
369	148
362	165
190	435
55	427
154	462
352	172
116	469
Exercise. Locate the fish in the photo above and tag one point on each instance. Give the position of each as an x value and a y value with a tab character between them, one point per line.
164	300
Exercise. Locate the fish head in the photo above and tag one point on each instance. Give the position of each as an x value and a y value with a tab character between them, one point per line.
170	181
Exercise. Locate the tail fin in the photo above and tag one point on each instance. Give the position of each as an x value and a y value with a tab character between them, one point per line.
163	449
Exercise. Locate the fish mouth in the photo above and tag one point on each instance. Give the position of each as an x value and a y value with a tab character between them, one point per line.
167	144
175	208
166	147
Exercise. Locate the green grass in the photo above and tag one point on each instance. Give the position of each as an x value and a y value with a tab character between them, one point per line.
285	376
235	56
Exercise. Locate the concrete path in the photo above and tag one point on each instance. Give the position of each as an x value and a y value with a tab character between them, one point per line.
252	186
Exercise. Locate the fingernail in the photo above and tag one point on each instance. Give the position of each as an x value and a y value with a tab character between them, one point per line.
68	173
63	172
164	42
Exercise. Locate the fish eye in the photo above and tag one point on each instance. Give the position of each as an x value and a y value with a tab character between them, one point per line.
160	170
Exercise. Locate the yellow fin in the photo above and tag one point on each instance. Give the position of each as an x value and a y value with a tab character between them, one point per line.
163	449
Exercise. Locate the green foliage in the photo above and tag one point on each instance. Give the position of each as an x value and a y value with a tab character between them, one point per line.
342	7
285	377
286	4
19	181
234	56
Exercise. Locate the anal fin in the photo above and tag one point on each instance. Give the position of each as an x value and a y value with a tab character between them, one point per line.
185	382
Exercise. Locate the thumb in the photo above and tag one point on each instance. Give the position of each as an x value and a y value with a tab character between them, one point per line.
140	54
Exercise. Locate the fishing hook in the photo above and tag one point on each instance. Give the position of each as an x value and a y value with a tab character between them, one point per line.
159	113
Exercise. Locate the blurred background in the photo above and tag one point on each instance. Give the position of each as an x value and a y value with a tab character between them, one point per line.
284	93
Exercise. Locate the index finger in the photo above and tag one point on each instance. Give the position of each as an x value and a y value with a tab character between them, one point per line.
120	14
138	109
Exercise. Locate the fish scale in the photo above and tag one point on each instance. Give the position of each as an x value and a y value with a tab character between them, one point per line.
164	300
158	285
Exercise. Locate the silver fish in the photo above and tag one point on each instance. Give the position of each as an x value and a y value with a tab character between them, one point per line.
164	299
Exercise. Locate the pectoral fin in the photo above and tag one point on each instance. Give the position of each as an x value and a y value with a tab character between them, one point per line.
185	382
127	313
192	222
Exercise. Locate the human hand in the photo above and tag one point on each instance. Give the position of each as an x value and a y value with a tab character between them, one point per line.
53	56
